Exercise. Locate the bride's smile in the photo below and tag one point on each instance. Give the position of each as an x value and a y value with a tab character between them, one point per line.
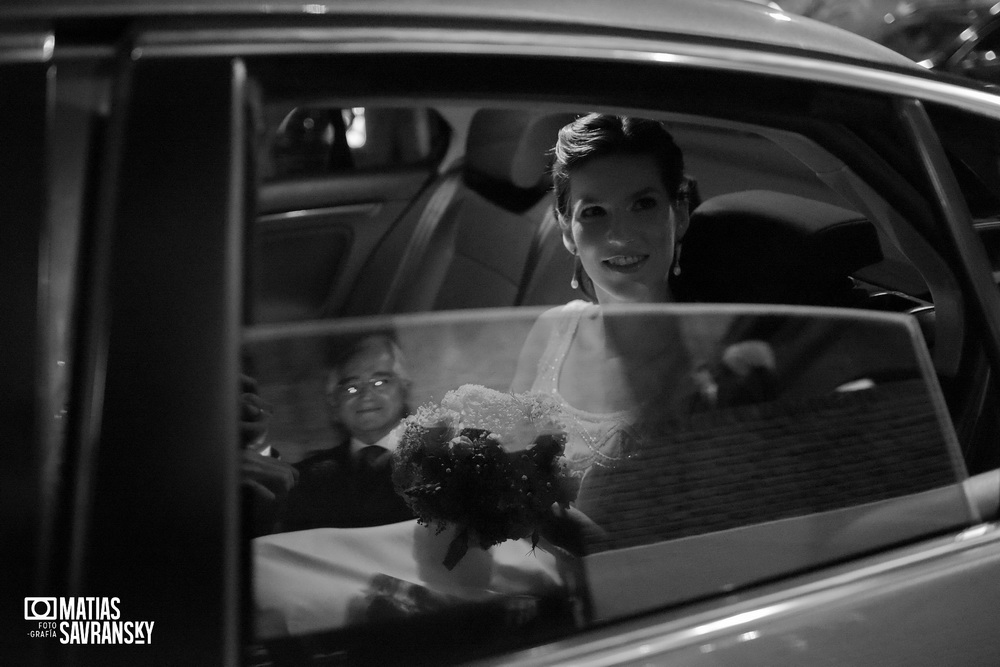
626	263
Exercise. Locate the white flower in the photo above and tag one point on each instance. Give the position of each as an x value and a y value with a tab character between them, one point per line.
516	419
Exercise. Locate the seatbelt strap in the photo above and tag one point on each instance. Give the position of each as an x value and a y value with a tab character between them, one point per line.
422	234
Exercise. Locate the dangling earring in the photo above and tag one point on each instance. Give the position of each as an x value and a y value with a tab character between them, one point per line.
676	268
577	266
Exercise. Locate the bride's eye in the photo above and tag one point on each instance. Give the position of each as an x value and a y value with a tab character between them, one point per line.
644	203
590	212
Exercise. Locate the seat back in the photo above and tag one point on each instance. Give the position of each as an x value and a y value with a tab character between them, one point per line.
759	246
465	243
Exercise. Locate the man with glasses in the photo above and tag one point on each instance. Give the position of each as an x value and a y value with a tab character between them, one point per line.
350	485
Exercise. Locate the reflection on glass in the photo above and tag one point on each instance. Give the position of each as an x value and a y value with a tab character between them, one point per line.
743	446
357	130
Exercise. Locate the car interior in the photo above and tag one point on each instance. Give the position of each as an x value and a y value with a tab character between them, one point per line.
495	195
473	226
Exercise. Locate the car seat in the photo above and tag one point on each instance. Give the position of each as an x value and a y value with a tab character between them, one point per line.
754	246
759	246
466	241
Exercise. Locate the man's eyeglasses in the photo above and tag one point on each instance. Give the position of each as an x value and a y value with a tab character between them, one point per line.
380	384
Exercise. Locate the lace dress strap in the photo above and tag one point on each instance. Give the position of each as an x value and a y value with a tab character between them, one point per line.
551	361
591	435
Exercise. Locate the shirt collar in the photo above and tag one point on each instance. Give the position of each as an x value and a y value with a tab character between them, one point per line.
388	441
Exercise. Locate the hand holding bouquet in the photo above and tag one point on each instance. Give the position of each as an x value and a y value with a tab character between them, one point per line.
486	461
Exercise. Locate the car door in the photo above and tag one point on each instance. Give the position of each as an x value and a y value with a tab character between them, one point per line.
155	322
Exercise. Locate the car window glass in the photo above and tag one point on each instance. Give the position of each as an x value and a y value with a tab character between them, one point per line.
311	140
787	433
973	146
713	484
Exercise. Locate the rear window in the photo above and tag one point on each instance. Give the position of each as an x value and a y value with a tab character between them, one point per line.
314	140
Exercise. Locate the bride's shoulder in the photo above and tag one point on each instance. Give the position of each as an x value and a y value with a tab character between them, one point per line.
552	321
558	317
566	311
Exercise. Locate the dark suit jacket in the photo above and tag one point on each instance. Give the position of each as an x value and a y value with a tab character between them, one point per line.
336	491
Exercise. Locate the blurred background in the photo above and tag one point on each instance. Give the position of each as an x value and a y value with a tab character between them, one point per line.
959	37
865	17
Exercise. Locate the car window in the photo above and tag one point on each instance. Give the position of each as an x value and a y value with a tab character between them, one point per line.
309	140
783	435
973	146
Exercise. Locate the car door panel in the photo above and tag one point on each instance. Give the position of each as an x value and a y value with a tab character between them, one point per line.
313	235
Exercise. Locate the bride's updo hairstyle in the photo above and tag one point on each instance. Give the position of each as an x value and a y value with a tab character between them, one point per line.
601	135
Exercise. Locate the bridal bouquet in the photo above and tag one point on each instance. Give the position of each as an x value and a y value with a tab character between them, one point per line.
486	461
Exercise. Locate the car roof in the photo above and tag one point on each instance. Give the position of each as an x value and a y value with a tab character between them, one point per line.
738	21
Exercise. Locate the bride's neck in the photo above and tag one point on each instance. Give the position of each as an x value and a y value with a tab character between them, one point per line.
638	338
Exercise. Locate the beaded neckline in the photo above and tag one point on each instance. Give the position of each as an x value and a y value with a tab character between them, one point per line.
593	429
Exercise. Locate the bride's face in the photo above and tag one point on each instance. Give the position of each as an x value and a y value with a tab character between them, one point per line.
624	227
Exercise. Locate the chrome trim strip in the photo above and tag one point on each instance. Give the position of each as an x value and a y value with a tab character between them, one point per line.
596	47
26	46
300	215
986	225
260	333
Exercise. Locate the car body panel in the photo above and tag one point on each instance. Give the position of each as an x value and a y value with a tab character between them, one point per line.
716	19
862	615
240	35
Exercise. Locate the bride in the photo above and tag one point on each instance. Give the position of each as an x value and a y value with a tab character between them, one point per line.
622	208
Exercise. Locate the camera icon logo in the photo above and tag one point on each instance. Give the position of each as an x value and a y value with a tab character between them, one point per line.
40	609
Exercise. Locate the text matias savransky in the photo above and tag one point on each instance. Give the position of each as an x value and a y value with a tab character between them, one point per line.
85	620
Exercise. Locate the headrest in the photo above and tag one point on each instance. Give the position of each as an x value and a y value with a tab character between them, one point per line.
512	146
759	246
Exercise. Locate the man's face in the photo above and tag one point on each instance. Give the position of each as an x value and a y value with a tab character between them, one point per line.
369	396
